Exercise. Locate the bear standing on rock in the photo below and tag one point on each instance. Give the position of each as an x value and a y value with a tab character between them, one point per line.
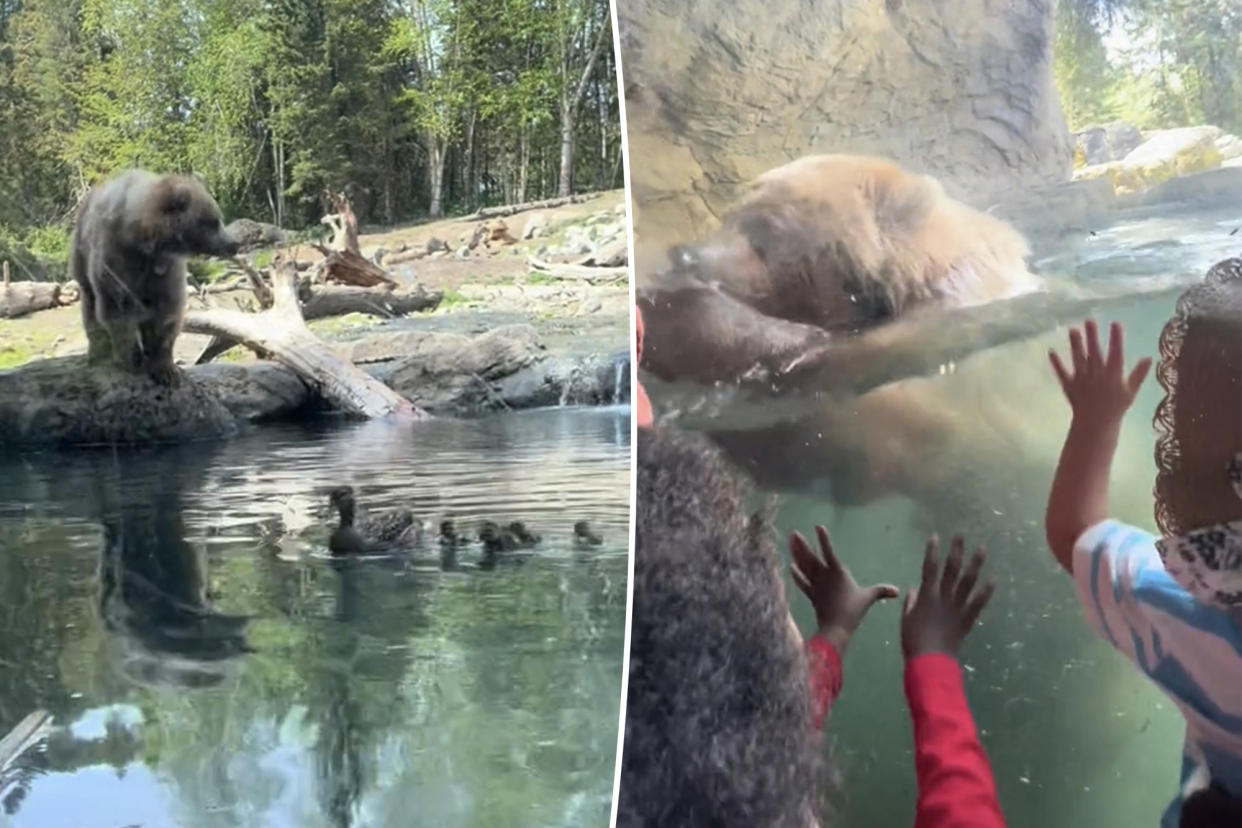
133	236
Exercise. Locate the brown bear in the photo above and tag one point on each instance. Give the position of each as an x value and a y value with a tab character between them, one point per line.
133	236
827	243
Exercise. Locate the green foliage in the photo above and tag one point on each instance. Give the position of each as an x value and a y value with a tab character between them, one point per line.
409	105
1183	65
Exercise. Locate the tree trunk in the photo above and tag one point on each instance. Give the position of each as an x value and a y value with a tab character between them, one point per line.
523	176
350	268
571	100
581	273
566	179
23	298
281	333
435	160
513	209
338	301
344	223
471	185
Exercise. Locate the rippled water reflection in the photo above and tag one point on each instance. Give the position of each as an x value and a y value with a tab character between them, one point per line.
206	669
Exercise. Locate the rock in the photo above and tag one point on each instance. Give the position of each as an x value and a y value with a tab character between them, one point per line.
1221	187
1090	148
457	378
535	226
1049	213
435	245
60	402
720	91
251	235
614	253
568	380
1120	139
1170	153
463	252
1229	147
255	391
400	345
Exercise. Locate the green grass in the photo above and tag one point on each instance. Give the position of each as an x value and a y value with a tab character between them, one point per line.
14	355
536	278
454	299
263	258
342	324
206	271
19	345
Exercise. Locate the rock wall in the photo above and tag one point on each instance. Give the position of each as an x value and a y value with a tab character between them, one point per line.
721	90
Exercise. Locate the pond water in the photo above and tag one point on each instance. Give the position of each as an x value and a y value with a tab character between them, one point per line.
208	664
1075	735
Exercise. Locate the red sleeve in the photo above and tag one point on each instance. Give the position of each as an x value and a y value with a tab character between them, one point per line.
956	788
824	664
642	404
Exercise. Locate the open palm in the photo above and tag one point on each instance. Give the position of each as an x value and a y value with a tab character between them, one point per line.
840	603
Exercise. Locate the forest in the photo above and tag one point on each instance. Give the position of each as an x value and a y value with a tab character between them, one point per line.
414	108
1172	62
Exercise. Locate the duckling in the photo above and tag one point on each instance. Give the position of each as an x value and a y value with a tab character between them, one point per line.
495	539
449	536
377	533
584	535
525	537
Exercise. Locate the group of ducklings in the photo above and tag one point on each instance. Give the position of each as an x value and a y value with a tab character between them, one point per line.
397	528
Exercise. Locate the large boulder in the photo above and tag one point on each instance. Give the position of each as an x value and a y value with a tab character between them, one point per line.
60	402
722	90
252	235
1229	146
1171	153
1102	144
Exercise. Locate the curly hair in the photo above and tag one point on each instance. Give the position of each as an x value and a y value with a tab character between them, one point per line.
718	720
1209	315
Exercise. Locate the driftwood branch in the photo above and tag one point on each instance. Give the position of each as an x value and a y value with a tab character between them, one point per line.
350	268
281	333
514	209
580	273
261	291
344	223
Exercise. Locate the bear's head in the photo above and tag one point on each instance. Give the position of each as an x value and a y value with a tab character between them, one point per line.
184	219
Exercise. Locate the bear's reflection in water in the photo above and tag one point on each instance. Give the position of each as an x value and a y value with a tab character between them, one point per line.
153	584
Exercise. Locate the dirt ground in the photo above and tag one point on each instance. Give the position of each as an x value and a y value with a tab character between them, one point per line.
478	290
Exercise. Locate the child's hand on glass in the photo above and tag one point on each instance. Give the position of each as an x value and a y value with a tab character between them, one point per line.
939	613
1098	390
840	603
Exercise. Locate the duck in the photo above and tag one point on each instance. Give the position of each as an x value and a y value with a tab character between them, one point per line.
449	541
584	535
525	538
376	533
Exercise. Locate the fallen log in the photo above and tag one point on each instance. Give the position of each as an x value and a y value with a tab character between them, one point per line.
23	298
281	334
348	268
582	273
378	301
514	209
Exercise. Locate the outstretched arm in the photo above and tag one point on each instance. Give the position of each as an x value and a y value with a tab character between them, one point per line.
956	787
1099	394
840	606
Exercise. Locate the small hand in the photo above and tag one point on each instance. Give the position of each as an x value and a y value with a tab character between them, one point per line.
840	603
1097	390
938	614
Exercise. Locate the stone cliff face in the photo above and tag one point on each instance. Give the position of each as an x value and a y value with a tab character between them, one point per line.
720	90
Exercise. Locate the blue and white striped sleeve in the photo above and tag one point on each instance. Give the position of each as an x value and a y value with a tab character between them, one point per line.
1110	558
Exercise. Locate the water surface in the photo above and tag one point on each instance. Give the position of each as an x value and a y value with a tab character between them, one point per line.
207	664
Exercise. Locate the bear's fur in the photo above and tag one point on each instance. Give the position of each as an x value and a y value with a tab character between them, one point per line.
129	250
842	241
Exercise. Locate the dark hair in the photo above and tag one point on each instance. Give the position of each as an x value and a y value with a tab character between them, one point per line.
718	725
1211	807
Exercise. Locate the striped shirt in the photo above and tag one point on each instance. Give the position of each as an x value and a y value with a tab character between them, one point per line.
1191	650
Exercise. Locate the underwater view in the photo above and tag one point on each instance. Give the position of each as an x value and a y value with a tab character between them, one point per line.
206	662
